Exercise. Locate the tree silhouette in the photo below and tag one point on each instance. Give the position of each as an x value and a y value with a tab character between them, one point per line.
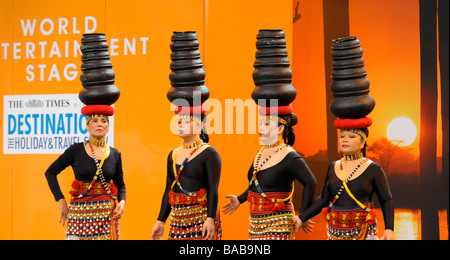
392	157
382	152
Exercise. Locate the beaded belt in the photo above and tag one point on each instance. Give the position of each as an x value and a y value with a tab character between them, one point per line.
79	187
183	199
261	205
349	217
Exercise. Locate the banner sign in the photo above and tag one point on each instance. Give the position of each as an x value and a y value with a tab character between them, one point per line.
44	124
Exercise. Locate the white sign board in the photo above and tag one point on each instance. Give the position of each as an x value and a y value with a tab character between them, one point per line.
44	124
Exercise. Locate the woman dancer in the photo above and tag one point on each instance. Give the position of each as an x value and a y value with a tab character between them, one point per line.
98	191
277	164
193	173
348	191
352	181
193	169
271	177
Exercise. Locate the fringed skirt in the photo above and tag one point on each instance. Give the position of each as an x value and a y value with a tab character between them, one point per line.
351	223
188	216
268	220
89	217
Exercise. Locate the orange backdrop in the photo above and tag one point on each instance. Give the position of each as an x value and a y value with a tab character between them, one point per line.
388	31
227	32
389	35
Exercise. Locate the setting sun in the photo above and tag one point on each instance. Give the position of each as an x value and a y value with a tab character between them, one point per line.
402	131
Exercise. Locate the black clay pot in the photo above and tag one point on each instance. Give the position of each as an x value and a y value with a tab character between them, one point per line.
350	86
187	76
97	75
272	75
353	106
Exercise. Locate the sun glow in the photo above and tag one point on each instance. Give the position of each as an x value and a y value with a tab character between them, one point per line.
402	131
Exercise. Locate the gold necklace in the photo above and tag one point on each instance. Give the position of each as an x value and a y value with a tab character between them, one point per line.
193	145
97	143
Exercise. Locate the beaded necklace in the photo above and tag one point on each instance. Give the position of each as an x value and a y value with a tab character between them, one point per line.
330	205
177	174
97	143
272	145
193	145
257	168
355	156
366	209
99	168
100	172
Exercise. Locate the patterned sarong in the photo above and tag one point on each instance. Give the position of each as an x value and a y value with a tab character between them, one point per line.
89	217
351	224
188	216
268	220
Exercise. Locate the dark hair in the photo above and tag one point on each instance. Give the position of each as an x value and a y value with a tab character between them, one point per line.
365	130
288	132
203	135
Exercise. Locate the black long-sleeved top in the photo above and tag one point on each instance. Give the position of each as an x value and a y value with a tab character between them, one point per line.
202	171
84	168
372	180
279	178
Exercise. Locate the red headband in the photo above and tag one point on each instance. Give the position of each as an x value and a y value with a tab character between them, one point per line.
283	110
353	123
190	110
97	109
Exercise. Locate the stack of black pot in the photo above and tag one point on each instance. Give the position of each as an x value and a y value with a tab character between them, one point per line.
97	78
187	76
350	87
272	76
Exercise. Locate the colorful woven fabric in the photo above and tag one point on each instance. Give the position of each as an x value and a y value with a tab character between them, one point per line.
351	224
269	221
89	217
96	189
188	217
